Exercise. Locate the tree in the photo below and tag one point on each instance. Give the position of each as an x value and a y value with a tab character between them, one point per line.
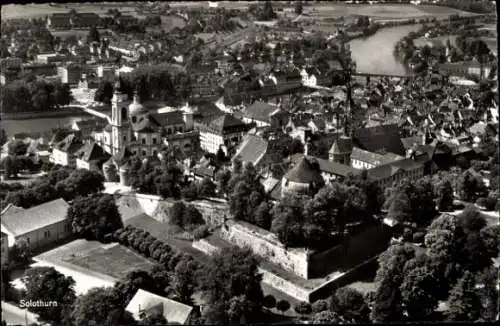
10	166
94	216
417	290
303	308
222	177
232	277
282	306
93	35
471	187
298	7
126	288
47	284
154	319
326	317
207	188
269	301
351	305
80	182
184	281
100	306
17	148
263	216
319	306
464	303
445	196
20	254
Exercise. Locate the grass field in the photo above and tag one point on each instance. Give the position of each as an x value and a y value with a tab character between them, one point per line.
116	261
168	23
383	11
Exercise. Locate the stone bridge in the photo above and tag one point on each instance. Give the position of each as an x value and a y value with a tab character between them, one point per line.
88	110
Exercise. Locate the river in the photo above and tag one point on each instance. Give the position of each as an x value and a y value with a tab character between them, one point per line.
372	54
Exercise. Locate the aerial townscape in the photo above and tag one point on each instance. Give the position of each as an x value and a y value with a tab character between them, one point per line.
249	162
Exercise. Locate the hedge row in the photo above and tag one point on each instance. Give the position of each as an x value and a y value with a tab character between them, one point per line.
149	246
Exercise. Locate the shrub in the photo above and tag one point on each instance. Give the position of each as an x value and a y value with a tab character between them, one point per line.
303	308
319	306
269	301
418	237
407	234
488	203
282	305
165	258
117	233
201	232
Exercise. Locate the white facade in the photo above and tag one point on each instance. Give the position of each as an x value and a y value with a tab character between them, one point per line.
258	123
81	164
357	164
211	142
59	157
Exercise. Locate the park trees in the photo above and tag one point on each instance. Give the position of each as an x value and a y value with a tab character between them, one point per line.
100	306
351	305
464	303
94	216
246	193
185	216
232	287
47	284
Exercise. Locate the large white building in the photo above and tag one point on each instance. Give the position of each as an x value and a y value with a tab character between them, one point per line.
223	132
142	132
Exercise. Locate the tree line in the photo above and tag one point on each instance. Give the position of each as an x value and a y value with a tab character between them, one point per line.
31	95
156	82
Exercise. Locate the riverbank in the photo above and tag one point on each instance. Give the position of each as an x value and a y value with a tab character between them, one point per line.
43	115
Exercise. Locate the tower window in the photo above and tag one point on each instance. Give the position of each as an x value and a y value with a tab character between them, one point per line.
125	138
134	119
154	140
144	141
124	114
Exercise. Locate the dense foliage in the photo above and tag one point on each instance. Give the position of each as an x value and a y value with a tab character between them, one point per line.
455	266
47	284
58	183
34	96
232	287
94	216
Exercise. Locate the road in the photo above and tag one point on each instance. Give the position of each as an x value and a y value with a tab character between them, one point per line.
16	316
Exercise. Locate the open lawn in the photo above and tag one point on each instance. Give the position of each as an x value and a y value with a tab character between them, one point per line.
115	260
422	41
168	23
383	11
78	33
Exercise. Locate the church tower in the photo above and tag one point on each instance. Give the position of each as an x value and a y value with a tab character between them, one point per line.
119	118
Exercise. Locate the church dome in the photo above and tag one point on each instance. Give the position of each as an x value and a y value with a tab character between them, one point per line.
135	107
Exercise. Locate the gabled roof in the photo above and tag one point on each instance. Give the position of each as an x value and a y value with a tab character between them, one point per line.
91	123
34	218
319	123
260	111
173	311
306	170
336	168
70	144
90	152
388	170
169	118
374	158
225	122
341	145
252	149
408	142
380	137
